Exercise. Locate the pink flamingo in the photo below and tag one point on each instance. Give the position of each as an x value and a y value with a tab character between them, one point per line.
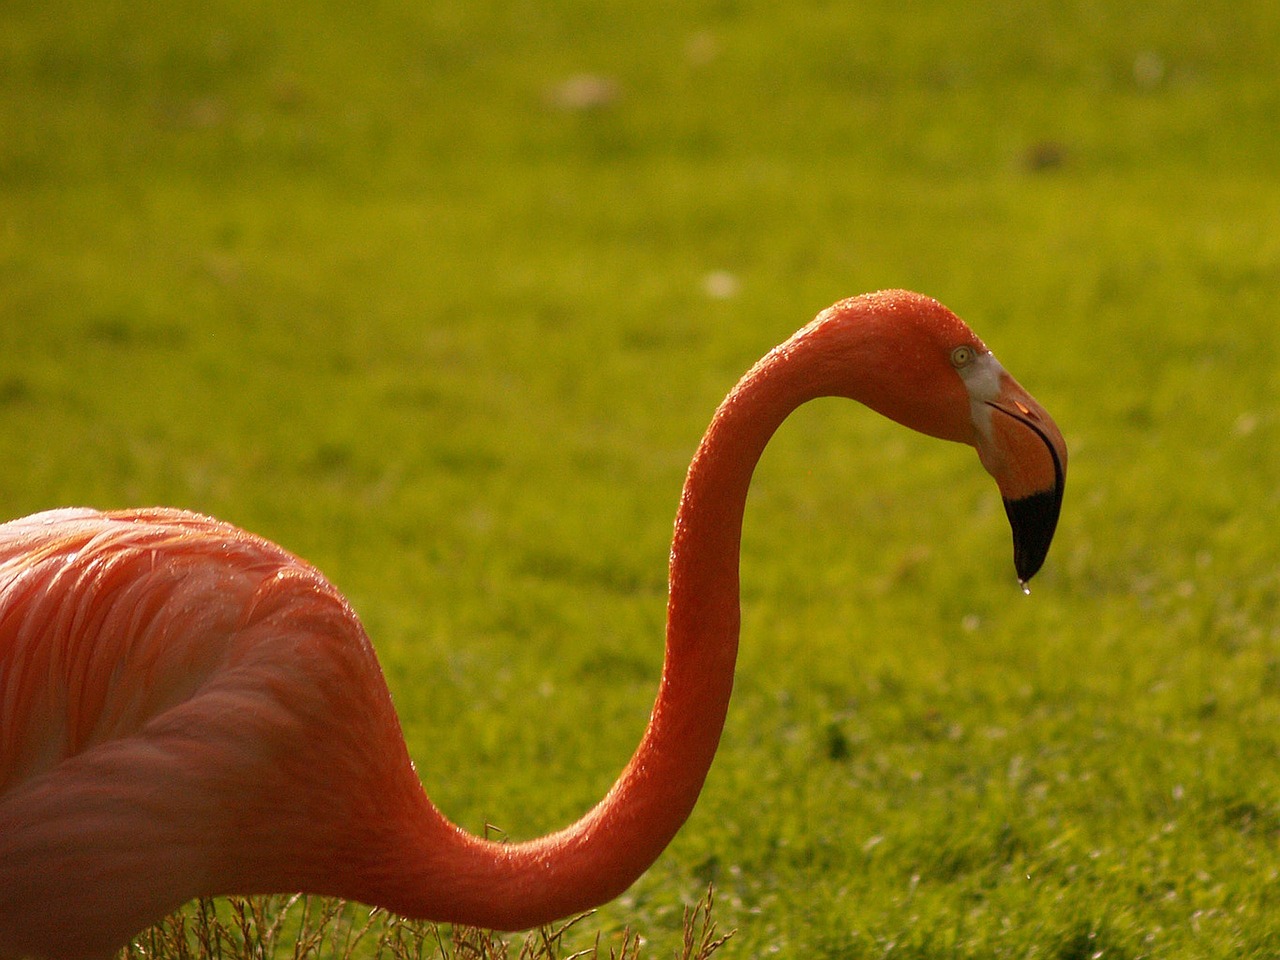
191	710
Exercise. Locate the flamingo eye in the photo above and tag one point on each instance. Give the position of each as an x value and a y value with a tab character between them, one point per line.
962	356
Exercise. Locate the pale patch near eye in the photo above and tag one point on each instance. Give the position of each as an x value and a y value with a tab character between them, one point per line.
982	378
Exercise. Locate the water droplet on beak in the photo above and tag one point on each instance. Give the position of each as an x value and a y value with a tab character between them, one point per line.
1026	587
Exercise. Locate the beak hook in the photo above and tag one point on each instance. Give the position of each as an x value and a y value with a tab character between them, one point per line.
1033	518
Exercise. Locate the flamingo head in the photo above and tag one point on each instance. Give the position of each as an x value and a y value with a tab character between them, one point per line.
911	359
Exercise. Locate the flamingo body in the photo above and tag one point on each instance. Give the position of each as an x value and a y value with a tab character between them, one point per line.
188	709
178	699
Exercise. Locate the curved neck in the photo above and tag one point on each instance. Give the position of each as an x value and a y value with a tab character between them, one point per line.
456	876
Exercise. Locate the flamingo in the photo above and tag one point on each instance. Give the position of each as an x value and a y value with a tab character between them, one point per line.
189	709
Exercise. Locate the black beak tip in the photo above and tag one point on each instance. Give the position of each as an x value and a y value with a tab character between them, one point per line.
1033	520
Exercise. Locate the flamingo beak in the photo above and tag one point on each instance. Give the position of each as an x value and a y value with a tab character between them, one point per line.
1025	452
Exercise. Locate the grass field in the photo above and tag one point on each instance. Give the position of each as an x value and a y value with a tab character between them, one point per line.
441	297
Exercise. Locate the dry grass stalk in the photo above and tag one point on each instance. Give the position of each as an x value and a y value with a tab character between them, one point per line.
318	928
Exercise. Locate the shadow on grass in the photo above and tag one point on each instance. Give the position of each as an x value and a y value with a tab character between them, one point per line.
317	928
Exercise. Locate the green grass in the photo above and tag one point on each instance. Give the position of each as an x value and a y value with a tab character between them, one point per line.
348	276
